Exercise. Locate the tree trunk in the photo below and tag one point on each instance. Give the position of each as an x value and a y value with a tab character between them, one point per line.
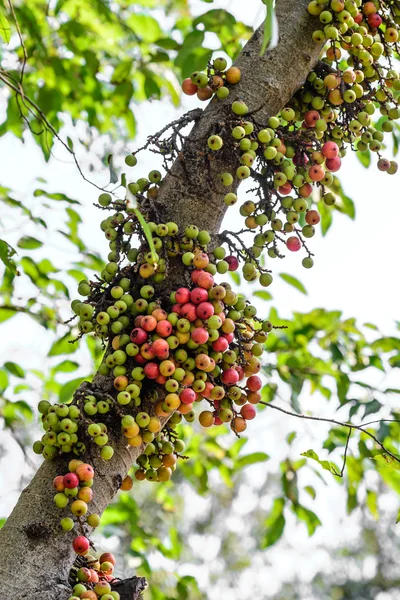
36	555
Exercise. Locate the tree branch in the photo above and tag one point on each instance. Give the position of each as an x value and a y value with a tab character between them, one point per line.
350	426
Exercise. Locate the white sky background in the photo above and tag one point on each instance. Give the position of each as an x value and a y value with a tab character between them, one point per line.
356	271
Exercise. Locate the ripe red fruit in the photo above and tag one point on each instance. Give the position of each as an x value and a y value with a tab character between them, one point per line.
188	87
58	483
205	310
254	383
182	295
333	164
161	348
316	172
240	372
188	311
198	295
138	336
285	189
139	360
195	275
229	337
312	217
205	280
230	377
207	390
71	480
164	328
151	370
311	117
232	262
187	396
149	323
177	308
374	20
200	335
81	544
330	150
217	421
221	344
248	412
85	472
293	244
107	557
94	578
305	190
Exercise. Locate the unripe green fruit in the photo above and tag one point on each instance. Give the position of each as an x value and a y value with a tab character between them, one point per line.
93	520
106	453
230	199
243	172
222	92
201	80
215	142
61	500
220	64
131	160
67	524
226	179
307	262
94	429
238	132
239	108
84	288
274	122
266	279
104	199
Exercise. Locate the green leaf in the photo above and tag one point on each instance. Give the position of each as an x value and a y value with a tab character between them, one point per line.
15	369
294	282
17	411
275	524
325	464
66	366
3	380
145	27
372	407
64	345
250	459
213	20
29	243
372	503
55	196
68	389
387	462
6	313
263	295
364	158
5	29
308	517
6	254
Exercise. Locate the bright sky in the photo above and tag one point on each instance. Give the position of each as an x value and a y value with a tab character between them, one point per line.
355	271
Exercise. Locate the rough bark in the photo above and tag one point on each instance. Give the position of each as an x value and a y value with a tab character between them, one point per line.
35	555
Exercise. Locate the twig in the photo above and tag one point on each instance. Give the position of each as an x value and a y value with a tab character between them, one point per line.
25	59
20	92
340	423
